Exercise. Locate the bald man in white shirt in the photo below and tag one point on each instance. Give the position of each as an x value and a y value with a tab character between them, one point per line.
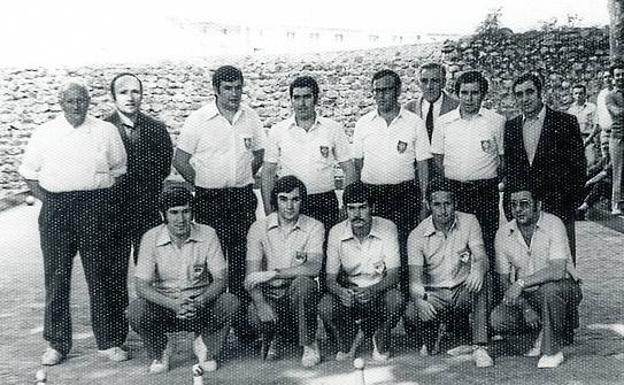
70	164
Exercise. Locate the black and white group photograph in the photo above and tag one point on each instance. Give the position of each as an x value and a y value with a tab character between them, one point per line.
312	193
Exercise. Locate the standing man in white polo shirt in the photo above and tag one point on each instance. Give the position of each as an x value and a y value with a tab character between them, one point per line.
220	149
70	164
387	142
468	147
308	146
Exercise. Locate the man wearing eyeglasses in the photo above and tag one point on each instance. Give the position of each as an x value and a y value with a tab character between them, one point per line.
387	142
538	277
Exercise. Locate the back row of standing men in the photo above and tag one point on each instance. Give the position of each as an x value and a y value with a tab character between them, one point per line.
99	182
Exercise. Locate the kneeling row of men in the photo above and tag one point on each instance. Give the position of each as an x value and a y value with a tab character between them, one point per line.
181	272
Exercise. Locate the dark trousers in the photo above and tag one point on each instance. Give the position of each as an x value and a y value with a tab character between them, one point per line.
76	222
324	208
152	321
379	317
480	197
450	304
555	302
594	192
230	211
400	203
296	309
131	229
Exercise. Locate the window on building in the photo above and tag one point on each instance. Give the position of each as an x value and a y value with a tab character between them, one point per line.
314	35
290	35
373	38
339	37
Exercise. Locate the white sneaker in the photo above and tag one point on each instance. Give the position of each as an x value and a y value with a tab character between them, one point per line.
51	357
482	358
377	355
536	350
311	355
550	361
115	354
424	351
161	365
201	352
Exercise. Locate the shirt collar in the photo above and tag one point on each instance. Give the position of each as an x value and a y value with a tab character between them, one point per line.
164	238
273	221
86	125
375	114
430	229
347	232
292	122
213	111
513	225
125	120
540	116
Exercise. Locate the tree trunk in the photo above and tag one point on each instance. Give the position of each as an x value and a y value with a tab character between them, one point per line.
616	29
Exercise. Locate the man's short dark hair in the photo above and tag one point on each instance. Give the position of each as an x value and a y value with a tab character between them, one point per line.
388	72
519	184
439	184
433	66
529	77
579	85
287	184
616	64
305	81
121	75
356	192
226	74
173	197
472	77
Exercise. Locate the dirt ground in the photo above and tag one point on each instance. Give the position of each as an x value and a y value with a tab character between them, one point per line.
597	356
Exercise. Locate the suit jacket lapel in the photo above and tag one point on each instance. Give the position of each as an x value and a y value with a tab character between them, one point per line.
544	138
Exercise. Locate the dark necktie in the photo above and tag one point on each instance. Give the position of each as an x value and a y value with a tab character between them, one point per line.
429	121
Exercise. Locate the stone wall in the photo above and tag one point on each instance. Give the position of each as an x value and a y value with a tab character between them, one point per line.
173	90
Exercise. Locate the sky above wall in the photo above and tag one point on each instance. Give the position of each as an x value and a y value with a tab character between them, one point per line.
38	32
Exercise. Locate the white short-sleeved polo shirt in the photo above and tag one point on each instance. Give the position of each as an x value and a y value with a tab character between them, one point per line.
365	263
389	151
221	153
471	146
309	155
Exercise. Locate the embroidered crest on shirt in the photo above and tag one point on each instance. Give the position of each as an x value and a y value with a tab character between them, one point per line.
324	151
464	255
379	267
198	270
248	143
401	147
488	147
301	257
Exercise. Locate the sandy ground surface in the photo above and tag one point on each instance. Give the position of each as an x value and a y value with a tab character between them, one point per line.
597	357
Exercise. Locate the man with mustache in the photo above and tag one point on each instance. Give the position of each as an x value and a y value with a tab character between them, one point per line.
70	164
362	277
219	150
448	273
149	150
284	256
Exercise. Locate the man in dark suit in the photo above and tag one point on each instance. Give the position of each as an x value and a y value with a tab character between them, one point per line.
149	150
545	147
434	102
